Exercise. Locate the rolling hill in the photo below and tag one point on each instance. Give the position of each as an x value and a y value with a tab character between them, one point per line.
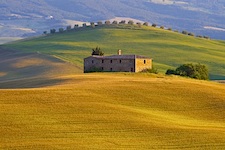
115	111
47	102
167	48
30	70
28	18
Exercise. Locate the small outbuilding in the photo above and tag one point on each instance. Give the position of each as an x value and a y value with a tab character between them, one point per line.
117	63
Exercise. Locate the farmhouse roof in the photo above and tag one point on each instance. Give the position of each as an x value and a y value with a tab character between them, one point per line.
120	57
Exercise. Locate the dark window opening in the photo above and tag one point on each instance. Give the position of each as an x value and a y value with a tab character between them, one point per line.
111	61
120	61
132	70
111	69
102	61
144	61
102	69
92	61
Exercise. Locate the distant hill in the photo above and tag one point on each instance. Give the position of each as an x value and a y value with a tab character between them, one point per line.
28	18
168	49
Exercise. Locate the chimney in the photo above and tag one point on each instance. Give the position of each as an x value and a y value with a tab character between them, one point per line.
119	52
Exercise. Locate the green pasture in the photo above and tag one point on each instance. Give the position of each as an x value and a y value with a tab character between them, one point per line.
167	48
137	111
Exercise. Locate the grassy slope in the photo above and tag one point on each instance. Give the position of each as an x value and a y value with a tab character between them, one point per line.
20	70
167	48
144	112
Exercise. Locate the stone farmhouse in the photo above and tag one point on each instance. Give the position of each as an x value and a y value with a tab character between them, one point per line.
117	63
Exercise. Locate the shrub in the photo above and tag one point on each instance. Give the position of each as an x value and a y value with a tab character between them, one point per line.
94	69
84	25
138	24
154	25
68	28
161	27
107	22
184	32
206	37
145	24
97	51
197	71
52	31
191	34
131	22
199	36
100	23
114	22
45	32
61	30
170	72
76	26
122	22
153	70
92	24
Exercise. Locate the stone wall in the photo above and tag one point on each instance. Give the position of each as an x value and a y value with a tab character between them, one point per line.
142	64
116	65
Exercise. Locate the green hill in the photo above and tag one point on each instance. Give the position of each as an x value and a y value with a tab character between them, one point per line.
167	48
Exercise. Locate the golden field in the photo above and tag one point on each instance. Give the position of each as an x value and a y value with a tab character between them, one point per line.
114	111
47	103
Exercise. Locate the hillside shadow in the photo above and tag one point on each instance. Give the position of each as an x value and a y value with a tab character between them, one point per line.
31	83
216	77
31	70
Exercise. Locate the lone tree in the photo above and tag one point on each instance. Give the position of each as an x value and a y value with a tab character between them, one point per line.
130	22
114	22
84	25
138	24
161	27
76	26
97	51
184	32
100	23
52	31
196	71
92	24
68	28
154	25
145	24
61	30
45	32
107	22
122	22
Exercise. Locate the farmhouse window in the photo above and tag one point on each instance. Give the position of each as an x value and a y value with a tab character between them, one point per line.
102	61
102	69
92	61
111	69
111	61
144	61
120	61
132	70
